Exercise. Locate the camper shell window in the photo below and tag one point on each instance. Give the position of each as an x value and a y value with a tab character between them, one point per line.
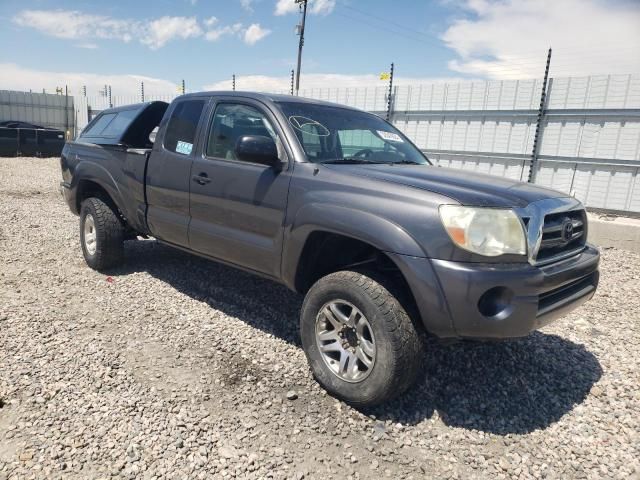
128	126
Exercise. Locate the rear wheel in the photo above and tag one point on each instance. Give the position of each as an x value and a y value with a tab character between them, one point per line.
360	343
101	234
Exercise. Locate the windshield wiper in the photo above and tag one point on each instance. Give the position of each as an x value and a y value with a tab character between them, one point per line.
407	162
350	161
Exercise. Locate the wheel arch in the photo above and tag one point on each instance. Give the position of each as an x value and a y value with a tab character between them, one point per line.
91	179
315	224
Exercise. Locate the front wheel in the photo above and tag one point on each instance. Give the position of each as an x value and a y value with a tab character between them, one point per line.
101	234
360	343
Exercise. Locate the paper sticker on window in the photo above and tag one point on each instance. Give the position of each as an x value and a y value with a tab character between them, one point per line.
390	136
184	147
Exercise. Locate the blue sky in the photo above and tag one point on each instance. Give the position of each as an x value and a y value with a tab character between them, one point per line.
347	41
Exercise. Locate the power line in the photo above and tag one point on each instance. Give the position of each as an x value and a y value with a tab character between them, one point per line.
385	28
386	21
606	49
520	60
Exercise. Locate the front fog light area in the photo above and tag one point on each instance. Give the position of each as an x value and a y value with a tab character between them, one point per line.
485	231
496	303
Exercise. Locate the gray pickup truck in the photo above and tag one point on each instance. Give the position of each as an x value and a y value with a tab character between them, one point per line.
338	205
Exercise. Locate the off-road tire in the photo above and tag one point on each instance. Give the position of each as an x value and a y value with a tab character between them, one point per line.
109	245
399	348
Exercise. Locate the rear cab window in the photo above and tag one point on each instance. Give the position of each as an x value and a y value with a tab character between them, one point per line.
181	129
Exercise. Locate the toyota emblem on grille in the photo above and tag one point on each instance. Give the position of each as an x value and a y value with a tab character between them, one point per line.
567	230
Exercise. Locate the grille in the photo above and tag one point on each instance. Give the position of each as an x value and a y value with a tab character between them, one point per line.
562	233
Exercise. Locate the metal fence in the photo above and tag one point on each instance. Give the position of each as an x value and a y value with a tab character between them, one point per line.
590	132
45	109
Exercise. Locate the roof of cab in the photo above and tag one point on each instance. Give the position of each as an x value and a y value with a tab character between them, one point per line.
266	97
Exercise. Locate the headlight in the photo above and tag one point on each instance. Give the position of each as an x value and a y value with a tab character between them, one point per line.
486	231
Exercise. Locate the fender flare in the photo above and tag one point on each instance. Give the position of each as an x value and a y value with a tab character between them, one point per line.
91	171
377	231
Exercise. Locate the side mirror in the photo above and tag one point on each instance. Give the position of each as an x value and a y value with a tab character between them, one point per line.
257	149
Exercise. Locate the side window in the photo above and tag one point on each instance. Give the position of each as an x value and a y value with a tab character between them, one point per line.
232	121
181	129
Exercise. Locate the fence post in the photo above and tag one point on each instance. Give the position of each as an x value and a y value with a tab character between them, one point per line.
390	95
538	135
66	113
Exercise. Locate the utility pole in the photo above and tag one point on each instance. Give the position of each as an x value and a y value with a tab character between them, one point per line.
390	95
142	91
233	82
292	78
537	140
301	43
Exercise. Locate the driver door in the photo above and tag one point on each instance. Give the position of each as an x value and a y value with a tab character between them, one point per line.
238	207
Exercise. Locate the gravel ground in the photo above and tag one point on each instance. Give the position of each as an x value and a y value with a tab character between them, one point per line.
175	367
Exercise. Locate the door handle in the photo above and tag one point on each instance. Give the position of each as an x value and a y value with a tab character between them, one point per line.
201	179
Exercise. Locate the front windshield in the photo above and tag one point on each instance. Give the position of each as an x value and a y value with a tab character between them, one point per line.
340	135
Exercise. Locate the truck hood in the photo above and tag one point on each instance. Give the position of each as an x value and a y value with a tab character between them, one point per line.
467	188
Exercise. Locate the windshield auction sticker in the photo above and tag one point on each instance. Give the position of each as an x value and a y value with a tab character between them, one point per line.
390	136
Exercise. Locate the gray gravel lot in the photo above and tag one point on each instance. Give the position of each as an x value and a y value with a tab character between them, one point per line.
176	367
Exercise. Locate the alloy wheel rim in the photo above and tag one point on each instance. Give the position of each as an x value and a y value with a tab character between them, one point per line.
345	340
90	236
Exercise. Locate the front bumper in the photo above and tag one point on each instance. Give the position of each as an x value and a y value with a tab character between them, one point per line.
498	300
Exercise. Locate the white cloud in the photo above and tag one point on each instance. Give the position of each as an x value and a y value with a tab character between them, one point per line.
322	7
89	46
72	24
249	35
254	33
154	33
264	83
14	77
215	33
509	38
211	21
247	5
317	7
159	32
283	7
